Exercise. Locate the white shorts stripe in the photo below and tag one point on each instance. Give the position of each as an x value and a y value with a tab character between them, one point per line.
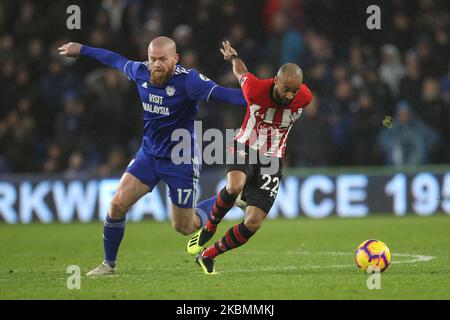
196	168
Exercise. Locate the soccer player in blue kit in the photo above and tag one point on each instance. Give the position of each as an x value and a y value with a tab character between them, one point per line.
169	94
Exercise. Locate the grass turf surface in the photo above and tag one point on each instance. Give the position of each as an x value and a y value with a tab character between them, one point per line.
286	259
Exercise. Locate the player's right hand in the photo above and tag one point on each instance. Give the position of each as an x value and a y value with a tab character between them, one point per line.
227	51
71	49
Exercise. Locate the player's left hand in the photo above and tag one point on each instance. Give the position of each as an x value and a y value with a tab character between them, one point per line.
228	51
71	49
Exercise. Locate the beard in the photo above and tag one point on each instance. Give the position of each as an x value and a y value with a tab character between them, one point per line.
285	102
280	101
160	77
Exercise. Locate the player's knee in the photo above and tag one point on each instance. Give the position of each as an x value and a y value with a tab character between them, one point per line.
183	228
118	209
235	187
253	223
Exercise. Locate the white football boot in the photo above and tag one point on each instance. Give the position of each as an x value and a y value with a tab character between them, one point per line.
102	270
240	203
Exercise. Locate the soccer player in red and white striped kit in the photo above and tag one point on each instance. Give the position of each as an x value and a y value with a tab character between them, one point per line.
273	105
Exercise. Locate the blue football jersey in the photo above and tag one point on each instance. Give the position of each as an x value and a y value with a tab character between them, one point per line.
168	107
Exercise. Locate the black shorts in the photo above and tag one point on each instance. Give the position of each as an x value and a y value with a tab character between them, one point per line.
263	173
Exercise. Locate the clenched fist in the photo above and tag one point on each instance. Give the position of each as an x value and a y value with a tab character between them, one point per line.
71	49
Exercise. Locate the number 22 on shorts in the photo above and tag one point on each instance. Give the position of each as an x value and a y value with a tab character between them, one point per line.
268	179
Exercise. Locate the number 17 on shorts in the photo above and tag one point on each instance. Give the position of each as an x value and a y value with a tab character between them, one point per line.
184	196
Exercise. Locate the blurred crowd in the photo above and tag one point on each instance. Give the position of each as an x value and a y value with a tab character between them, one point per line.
77	117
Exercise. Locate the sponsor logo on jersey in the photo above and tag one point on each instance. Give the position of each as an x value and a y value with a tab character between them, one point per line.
155	109
242	153
155	98
170	90
144	85
203	77
269	129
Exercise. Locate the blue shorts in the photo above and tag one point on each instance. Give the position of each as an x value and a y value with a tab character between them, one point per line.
182	179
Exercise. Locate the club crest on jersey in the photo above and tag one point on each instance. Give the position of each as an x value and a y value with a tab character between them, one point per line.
170	90
295	115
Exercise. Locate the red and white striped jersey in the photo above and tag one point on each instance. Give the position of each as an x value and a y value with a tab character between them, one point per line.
266	125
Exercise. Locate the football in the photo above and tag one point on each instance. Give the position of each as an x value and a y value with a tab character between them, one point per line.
372	256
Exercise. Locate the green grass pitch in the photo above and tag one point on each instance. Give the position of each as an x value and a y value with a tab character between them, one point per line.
286	259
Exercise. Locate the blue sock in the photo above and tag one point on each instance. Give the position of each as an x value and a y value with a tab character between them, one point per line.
113	231
204	208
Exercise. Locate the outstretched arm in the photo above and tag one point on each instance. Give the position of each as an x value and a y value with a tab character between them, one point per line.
230	54
109	58
228	95
201	88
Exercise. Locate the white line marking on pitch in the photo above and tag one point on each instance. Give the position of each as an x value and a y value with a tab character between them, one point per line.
414	258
